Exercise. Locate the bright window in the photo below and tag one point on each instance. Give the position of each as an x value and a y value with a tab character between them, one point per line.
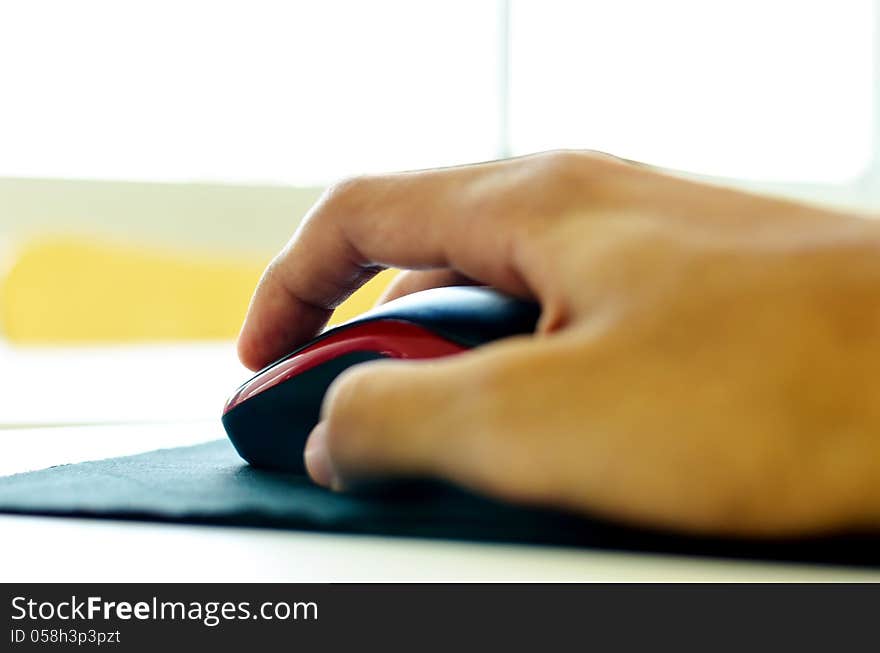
304	92
244	90
778	90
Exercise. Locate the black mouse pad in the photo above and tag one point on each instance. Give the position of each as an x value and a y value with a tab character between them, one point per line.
210	484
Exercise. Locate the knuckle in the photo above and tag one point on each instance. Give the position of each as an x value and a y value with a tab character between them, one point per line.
557	182
575	170
347	192
558	162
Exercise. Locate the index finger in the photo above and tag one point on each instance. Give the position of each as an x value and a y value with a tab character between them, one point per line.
446	218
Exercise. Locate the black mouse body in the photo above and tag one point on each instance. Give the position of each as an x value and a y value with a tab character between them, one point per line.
269	417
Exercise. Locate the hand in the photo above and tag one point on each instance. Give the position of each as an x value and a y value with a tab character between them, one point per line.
706	359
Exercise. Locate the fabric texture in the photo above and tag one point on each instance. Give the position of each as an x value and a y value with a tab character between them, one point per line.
210	484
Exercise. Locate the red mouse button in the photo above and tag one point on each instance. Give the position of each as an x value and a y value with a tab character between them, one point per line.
394	339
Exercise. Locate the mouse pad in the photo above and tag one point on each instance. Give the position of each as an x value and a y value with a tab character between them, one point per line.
210	484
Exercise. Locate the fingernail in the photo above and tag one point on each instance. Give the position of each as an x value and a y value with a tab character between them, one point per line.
317	457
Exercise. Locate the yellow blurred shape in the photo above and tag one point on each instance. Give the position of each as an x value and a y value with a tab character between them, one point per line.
364	299
69	290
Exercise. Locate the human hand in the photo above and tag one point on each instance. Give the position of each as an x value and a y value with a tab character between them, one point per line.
706	360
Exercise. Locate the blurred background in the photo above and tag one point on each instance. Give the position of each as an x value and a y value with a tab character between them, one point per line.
155	155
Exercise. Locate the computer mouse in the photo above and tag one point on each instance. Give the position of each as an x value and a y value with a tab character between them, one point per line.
270	416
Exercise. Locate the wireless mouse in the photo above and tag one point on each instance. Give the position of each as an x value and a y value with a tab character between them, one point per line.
269	417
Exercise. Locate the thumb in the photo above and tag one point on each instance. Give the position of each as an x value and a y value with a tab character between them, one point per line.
427	418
